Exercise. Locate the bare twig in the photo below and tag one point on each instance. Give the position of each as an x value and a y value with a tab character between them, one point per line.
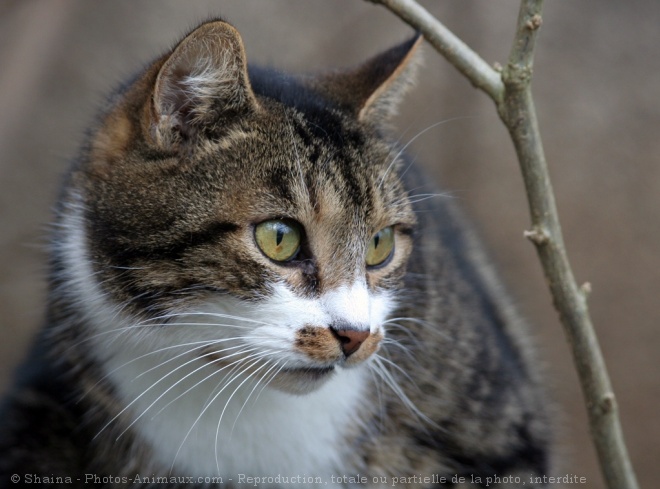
513	97
451	47
518	113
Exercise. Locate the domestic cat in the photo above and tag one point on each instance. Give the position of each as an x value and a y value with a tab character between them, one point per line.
246	289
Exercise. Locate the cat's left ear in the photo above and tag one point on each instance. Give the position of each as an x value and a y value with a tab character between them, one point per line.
374	89
203	81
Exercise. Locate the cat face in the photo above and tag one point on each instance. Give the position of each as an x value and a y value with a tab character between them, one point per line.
250	222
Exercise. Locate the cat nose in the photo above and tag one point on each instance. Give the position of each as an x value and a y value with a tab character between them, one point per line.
349	339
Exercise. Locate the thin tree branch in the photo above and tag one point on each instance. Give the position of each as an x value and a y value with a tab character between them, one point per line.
451	47
519	115
513	97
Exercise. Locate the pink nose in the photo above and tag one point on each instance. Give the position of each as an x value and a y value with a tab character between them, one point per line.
349	339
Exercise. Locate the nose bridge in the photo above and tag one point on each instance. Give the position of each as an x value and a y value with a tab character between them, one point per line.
336	229
349	305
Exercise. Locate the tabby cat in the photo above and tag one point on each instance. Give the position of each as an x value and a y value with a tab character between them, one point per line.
246	288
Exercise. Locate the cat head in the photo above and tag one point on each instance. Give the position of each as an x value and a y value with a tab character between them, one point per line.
256	217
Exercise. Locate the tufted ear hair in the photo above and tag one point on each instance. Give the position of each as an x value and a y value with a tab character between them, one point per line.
374	89
202	81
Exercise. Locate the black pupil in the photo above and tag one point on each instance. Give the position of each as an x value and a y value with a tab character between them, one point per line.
376	240
279	236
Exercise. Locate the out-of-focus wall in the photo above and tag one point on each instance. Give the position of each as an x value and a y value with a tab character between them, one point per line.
597	86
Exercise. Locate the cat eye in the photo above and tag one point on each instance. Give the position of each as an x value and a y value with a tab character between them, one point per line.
380	247
279	240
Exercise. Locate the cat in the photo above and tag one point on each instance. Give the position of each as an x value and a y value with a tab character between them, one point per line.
245	289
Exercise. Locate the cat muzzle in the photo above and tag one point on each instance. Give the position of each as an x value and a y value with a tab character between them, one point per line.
337	344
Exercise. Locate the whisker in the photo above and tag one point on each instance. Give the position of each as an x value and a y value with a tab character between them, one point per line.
218	315
298	165
403	372
215	352
389	380
138	326
104	377
226	384
272	377
201	344
234	365
217	430
379	394
406	351
415	199
145	392
412	140
419	322
144	411
388	325
257	383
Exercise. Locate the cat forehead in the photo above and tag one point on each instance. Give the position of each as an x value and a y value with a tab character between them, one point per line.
292	157
318	135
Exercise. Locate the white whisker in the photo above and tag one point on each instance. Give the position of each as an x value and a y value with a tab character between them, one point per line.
215	352
217	431
270	379
387	377
298	165
226	384
234	366
412	140
214	314
146	391
133	360
259	381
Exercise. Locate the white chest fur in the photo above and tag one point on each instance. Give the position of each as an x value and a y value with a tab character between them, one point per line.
240	430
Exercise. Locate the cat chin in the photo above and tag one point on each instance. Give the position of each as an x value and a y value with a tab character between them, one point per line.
301	381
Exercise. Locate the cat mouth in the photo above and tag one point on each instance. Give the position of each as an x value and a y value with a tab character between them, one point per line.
293	380
310	372
301	380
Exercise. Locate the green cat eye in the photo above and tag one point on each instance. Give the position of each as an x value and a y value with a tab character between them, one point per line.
380	247
278	240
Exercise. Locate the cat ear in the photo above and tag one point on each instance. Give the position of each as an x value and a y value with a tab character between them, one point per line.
203	80
374	89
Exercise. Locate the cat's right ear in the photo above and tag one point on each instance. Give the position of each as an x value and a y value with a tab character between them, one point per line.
374	89
202	82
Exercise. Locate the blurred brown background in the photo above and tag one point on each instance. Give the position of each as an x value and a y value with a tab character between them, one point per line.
597	88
